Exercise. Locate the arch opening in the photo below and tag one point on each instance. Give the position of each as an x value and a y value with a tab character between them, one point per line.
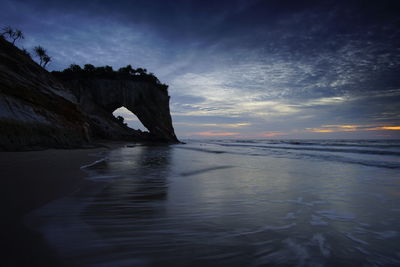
129	119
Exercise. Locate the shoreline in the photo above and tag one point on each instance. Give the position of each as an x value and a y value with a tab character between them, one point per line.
29	180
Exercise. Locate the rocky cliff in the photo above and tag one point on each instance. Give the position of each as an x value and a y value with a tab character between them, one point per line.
99	97
37	110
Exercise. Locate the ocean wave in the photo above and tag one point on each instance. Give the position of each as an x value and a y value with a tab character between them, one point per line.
332	143
266	228
95	163
299	154
328	149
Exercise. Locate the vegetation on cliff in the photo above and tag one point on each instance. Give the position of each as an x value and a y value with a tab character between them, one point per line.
75	72
41	53
15	34
12	34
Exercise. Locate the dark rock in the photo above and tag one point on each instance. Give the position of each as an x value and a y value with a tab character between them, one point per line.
35	109
148	101
38	111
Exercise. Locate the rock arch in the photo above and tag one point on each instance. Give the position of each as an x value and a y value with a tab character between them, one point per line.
98	98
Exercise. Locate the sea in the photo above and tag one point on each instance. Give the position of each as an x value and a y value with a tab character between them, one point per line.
232	203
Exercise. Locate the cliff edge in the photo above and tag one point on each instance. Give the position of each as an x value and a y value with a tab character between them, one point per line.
42	110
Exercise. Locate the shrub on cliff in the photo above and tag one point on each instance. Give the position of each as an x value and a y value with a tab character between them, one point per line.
89	68
120	121
106	72
128	70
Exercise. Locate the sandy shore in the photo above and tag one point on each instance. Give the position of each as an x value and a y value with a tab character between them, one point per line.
28	181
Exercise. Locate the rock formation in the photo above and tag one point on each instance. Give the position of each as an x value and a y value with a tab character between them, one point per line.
98	98
37	110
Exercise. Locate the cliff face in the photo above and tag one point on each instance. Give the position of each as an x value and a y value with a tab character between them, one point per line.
35	109
39	111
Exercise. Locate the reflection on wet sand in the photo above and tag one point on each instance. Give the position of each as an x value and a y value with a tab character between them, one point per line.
142	180
161	206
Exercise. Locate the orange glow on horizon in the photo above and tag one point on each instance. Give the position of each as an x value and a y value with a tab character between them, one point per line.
271	134
317	130
350	128
391	128
322	129
341	126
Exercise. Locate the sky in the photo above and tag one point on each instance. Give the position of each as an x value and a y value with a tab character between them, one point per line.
239	69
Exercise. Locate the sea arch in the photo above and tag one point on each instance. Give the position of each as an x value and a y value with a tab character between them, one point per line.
148	101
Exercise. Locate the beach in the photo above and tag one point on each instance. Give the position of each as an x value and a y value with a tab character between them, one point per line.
28	181
231	203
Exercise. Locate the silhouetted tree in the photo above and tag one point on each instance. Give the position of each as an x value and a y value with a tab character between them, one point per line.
108	69
17	35
75	68
40	52
106	72
7	31
141	71
120	119
46	60
127	70
89	68
14	35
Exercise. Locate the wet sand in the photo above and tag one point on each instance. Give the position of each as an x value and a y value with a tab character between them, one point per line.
28	181
233	203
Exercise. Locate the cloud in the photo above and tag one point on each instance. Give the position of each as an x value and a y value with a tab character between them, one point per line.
215	125
270	134
212	134
259	67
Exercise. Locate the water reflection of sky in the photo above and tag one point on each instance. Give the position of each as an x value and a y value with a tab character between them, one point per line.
164	205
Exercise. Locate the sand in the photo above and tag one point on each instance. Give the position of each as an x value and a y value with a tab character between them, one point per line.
29	180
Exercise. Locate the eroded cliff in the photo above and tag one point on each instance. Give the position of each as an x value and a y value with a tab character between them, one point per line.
37	110
148	101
